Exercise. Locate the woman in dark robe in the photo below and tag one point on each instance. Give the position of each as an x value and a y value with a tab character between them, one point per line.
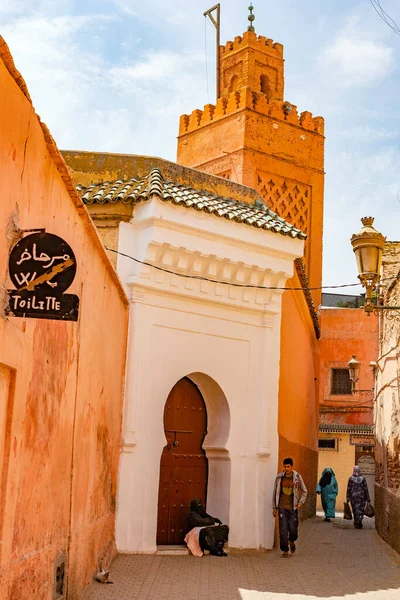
328	488
358	496
213	534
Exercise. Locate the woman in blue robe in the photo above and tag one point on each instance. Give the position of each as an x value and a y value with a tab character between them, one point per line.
328	488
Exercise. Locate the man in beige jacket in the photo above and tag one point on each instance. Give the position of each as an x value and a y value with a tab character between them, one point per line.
290	493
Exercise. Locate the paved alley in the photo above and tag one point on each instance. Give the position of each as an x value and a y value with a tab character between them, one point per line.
332	561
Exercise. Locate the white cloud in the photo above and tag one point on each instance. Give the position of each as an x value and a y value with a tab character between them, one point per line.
153	67
92	104
356	62
58	73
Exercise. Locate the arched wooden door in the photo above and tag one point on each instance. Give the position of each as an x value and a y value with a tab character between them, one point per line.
184	467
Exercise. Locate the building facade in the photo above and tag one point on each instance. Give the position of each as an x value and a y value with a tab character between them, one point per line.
61	377
205	321
387	489
254	137
218	274
346	431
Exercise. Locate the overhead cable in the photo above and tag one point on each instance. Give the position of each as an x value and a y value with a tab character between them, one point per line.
238	285
385	17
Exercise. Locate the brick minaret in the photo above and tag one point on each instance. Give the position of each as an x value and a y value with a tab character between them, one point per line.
252	137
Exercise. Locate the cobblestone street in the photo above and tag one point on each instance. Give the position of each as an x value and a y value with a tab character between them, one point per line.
332	561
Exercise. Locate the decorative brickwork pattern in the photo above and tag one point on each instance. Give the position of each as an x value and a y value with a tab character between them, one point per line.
225	174
289	199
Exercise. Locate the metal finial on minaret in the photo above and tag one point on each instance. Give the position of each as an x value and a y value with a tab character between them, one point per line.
251	18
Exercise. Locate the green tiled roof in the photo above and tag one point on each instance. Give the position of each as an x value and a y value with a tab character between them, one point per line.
345	428
133	191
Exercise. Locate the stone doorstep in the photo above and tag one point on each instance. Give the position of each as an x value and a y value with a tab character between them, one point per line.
182	550
172	551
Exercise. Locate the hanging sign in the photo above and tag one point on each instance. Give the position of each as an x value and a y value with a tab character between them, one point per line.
367	465
362	440
42	266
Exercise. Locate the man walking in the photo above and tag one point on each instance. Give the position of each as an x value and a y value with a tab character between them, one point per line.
290	494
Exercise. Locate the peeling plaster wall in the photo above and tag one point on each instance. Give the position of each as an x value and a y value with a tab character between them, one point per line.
387	489
61	382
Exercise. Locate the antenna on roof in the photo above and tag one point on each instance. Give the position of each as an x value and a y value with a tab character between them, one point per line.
251	18
216	22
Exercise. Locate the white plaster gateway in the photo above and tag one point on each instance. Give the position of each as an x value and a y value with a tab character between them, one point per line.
226	339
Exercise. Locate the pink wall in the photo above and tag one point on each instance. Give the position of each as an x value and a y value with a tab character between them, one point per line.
61	382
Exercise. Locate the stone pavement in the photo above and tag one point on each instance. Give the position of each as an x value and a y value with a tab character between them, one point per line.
333	561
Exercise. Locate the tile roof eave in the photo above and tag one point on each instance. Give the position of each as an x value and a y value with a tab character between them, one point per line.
302	275
346	428
154	185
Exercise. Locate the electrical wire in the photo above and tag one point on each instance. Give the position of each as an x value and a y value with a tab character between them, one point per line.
239	285
376	4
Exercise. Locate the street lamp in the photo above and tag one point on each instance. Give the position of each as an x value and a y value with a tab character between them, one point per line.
368	246
354	372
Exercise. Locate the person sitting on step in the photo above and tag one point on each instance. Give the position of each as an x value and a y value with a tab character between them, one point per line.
204	531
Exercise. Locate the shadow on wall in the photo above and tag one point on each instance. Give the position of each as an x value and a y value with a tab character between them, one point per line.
215	445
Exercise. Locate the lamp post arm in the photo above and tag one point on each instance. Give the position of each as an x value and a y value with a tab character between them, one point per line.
387	307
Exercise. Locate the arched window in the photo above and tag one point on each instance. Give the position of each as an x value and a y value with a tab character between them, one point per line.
265	85
234	83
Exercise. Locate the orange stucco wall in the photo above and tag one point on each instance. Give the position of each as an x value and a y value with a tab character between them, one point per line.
298	391
344	332
62	381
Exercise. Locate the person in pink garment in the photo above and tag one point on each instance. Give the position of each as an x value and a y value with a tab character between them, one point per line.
210	532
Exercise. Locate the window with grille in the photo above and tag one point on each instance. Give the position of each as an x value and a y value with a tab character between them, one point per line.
341	382
327	444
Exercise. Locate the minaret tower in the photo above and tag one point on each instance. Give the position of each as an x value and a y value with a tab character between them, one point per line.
253	137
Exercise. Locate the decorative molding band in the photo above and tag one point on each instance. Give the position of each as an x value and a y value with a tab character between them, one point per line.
135	297
217	453
264	453
268	321
128	442
197	269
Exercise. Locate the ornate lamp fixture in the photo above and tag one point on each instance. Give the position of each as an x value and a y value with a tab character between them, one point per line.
354	372
368	246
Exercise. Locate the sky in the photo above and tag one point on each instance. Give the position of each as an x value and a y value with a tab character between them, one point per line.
115	75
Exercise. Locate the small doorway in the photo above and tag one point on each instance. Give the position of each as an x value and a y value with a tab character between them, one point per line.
365	459
184	466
